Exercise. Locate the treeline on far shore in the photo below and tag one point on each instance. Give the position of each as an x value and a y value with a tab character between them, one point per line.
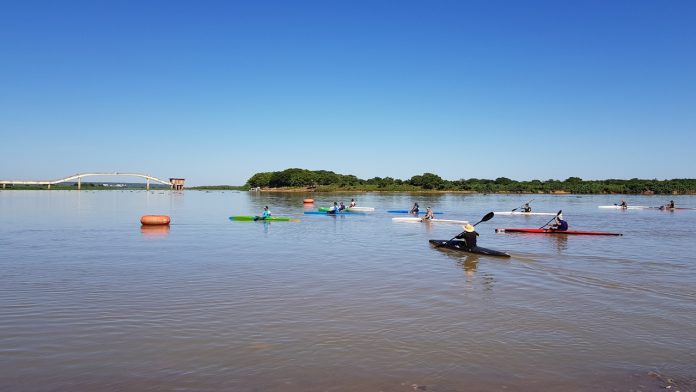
323	180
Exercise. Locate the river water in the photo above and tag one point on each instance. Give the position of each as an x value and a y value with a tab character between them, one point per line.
90	301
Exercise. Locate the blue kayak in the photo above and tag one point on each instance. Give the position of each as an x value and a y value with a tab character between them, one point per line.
407	211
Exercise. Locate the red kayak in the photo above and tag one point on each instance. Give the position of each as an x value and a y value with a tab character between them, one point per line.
549	231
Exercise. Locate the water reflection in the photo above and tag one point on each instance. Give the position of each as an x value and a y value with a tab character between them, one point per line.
154	232
469	263
561	243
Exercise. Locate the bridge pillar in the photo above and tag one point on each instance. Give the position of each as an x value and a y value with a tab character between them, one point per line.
49	186
147	187
79	183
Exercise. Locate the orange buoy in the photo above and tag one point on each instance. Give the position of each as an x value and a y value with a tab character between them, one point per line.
308	201
152	220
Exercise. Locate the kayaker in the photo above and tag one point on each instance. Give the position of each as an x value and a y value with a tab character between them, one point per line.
341	207
526	208
671	204
333	209
352	203
468	236
428	214
560	224
623	204
414	209
266	213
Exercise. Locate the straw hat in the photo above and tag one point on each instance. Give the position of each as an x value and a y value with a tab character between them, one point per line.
468	227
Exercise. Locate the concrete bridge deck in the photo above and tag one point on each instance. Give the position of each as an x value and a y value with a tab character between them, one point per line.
79	177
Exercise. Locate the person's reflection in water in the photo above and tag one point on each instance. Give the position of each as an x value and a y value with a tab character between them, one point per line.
266	226
428	226
469	264
561	243
154	232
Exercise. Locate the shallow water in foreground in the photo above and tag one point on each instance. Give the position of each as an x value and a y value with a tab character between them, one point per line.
90	301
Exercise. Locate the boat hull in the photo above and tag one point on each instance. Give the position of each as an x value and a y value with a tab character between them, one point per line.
334	213
475	250
419	220
525	213
247	218
557	232
407	212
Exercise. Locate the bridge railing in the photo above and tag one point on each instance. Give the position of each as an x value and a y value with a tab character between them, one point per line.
79	177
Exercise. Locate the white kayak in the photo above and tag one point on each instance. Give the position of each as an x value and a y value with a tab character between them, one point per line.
360	209
625	208
419	220
525	213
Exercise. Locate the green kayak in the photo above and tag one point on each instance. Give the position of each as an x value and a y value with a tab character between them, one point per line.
259	218
326	209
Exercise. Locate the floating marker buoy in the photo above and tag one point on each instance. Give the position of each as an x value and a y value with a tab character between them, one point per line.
308	201
155	220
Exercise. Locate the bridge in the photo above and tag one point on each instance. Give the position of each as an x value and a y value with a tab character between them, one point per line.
79	177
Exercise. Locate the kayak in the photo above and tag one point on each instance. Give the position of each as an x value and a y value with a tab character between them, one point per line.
663	208
647	208
408	211
476	249
525	213
419	220
349	209
626	208
259	218
361	209
335	213
549	231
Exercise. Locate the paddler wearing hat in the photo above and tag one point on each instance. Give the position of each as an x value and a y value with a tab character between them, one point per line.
468	236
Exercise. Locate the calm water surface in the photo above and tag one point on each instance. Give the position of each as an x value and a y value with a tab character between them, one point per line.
90	301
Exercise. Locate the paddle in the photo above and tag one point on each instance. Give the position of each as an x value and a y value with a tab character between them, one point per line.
559	213
515	209
486	217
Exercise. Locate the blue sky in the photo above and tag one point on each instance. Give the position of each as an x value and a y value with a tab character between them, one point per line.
215	91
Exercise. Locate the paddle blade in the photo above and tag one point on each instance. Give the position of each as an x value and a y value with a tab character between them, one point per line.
486	217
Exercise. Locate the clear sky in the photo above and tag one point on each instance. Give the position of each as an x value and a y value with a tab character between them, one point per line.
215	91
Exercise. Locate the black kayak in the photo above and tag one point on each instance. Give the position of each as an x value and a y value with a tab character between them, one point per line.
476	249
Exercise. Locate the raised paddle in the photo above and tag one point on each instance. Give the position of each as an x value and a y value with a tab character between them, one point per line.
515	209
559	213
486	217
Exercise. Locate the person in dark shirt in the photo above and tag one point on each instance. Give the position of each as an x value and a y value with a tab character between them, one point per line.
415	209
671	204
526	208
623	204
468	236
560	224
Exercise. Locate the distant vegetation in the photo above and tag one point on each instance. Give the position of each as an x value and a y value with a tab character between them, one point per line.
322	180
